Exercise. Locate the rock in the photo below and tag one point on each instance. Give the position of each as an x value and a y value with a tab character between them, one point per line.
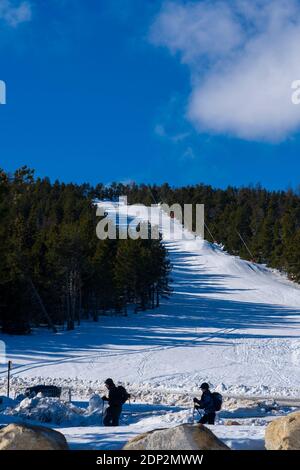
183	437
25	437
284	433
232	423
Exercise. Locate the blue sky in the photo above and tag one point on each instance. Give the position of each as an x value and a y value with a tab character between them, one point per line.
123	90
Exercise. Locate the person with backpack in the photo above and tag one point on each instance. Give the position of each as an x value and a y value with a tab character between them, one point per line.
117	396
210	403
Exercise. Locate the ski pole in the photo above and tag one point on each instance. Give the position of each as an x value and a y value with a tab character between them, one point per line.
102	412
9	365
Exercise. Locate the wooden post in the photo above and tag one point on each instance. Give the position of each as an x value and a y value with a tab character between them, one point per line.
9	366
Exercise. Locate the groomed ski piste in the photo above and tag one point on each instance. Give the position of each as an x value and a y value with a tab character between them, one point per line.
229	322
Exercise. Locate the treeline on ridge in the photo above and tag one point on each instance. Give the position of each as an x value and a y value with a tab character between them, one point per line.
54	269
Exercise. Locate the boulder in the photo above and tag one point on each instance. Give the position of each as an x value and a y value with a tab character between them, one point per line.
230	422
183	437
26	437
284	433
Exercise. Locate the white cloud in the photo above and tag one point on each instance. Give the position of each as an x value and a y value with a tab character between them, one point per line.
188	154
243	58
196	29
160	130
14	13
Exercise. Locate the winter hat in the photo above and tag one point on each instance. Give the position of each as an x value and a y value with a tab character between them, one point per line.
109	382
204	386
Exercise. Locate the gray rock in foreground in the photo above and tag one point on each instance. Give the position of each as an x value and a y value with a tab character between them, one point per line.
183	437
26	437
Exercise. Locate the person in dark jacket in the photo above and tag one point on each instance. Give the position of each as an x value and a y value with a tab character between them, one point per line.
207	404
116	398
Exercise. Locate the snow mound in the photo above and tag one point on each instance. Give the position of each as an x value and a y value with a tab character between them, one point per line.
54	411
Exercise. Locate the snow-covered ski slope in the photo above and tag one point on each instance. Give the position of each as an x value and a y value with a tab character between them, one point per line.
228	321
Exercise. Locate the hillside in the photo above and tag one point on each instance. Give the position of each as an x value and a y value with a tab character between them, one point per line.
228	321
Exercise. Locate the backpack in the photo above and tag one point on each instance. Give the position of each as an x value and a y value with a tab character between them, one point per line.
123	394
218	400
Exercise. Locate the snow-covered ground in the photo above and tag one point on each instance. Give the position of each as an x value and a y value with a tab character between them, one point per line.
240	424
230	322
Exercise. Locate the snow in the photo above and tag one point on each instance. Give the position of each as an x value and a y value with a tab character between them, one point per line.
229	322
80	422
99	438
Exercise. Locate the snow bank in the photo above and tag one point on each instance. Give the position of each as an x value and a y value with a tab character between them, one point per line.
165	392
54	411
